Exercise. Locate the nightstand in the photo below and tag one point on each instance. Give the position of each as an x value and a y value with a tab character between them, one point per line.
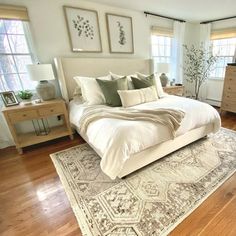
174	90
16	114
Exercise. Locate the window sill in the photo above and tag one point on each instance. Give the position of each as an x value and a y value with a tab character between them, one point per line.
216	78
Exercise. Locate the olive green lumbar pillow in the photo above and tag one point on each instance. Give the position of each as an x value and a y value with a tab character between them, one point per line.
110	88
144	82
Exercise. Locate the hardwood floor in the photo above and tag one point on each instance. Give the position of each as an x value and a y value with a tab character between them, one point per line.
33	202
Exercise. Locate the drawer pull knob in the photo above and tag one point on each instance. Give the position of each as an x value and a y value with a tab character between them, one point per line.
24	115
51	110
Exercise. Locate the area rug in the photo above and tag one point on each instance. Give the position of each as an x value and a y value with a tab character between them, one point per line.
151	201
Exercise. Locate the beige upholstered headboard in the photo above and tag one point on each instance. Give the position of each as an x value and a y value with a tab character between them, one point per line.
67	68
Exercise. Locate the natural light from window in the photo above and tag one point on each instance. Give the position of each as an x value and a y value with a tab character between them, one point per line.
161	49
14	56
224	49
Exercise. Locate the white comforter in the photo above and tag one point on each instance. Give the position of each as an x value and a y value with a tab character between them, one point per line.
115	140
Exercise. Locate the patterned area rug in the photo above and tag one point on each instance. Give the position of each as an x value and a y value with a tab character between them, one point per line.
151	201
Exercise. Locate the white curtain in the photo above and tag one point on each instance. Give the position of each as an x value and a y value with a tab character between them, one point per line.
234	59
205	39
30	42
177	52
205	35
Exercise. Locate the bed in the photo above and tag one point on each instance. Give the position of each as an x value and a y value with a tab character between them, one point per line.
126	146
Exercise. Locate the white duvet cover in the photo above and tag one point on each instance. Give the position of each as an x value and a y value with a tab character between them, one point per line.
115	140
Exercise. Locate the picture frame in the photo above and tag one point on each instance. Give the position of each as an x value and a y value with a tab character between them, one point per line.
120	33
9	98
83	29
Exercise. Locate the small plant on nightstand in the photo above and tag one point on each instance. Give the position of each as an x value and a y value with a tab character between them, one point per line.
25	96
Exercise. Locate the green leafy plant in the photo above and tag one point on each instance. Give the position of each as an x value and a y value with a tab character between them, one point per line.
25	94
199	62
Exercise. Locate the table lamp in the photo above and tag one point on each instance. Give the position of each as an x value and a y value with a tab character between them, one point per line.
163	68
42	73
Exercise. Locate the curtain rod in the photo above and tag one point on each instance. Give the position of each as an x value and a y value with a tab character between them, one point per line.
210	21
167	17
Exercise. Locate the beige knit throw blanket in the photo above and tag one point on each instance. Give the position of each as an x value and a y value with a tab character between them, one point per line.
168	117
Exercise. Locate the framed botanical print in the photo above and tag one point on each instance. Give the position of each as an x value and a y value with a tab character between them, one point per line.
120	33
83	29
9	98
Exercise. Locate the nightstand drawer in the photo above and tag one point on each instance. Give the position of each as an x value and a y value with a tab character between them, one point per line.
24	115
47	111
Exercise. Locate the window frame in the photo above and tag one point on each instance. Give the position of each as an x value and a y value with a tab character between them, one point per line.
157	59
13	55
224	57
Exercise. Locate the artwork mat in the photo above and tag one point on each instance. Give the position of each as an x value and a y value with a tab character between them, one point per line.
70	34
110	34
7	104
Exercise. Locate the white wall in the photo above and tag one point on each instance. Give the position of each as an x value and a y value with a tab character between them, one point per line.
224	24
50	33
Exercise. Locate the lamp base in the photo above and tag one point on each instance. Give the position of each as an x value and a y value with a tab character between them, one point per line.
45	90
164	79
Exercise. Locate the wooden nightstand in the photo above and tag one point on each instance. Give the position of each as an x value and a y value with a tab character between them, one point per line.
174	90
45	109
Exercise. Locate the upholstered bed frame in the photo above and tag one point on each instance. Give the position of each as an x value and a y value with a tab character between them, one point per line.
67	68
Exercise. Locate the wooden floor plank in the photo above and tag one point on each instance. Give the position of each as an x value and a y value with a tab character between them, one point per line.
208	210
226	218
33	201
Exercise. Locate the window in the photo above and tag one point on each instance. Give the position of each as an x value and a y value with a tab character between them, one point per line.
224	49
161	40
15	54
161	48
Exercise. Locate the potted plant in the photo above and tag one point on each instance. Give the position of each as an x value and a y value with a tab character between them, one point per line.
25	96
199	62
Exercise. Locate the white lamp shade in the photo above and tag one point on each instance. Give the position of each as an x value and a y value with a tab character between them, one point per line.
39	72
163	67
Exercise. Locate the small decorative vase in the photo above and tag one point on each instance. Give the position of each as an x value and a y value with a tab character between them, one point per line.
164	79
45	90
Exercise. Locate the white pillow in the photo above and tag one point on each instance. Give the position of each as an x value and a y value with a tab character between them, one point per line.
91	91
105	77
137	96
159	88
130	83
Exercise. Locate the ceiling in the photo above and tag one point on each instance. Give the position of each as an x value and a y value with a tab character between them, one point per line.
189	10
